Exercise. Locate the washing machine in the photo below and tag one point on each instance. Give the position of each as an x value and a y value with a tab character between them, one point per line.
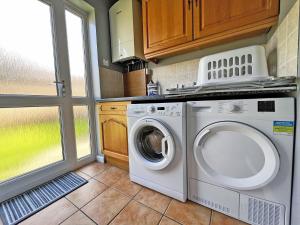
157	147
240	157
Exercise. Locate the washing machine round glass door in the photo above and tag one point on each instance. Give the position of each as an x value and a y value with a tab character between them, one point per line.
151	144
236	155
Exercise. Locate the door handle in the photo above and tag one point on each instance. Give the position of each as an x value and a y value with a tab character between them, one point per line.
206	132
61	87
163	146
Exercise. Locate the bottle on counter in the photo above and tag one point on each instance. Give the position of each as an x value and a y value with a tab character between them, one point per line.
152	88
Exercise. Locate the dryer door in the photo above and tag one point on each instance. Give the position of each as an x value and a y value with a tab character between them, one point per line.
236	155
151	144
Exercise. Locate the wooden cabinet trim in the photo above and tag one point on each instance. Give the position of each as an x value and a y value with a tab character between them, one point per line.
113	108
116	155
245	31
121	121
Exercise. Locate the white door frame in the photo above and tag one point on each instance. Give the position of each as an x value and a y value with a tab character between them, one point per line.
27	181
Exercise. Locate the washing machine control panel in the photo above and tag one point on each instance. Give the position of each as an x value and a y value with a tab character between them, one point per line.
168	110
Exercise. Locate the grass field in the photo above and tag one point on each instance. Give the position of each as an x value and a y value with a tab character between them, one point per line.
30	146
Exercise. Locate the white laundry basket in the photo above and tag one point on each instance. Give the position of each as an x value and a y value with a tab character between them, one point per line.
240	65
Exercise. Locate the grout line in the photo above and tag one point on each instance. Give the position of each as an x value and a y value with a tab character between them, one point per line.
79	209
72	203
160	219
211	215
88	216
94	197
168	206
72	213
120	211
173	220
147	206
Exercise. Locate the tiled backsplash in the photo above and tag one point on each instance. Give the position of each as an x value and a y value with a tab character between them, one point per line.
179	73
282	48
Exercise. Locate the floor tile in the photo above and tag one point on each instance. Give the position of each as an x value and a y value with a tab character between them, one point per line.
167	221
137	214
188	213
153	199
221	219
78	219
111	175
86	193
83	175
106	206
127	187
94	168
53	214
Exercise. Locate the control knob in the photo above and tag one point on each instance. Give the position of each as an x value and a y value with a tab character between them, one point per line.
232	108
152	109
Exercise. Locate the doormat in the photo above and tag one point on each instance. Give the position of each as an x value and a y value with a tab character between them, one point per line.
16	209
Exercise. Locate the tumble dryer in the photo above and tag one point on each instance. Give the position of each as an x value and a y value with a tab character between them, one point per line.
157	147
240	157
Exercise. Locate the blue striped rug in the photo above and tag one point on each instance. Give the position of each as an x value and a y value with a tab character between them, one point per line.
16	209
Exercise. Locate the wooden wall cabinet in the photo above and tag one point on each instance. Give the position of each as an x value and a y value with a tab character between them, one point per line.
166	23
113	132
174	26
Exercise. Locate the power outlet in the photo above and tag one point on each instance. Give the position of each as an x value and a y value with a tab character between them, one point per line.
105	62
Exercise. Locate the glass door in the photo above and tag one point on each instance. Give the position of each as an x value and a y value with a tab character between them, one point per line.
81	92
46	97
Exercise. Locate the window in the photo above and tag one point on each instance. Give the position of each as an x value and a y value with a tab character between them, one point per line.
26	48
82	131
30	138
75	31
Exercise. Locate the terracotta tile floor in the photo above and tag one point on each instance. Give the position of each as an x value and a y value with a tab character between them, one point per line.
111	198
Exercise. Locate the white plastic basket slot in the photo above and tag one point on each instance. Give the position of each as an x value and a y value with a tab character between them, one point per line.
240	65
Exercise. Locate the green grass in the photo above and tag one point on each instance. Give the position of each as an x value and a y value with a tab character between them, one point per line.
19	145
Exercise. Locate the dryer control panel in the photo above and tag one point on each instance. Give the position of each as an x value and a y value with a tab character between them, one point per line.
232	107
264	108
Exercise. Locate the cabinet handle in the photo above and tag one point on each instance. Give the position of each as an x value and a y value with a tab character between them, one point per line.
113	108
189	3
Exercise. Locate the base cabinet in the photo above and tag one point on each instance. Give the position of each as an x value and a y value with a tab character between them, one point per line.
113	133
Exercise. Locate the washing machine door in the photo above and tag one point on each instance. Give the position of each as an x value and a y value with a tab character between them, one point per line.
151	144
236	155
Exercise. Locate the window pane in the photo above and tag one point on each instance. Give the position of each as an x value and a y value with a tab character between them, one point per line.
26	48
30	138
82	130
76	53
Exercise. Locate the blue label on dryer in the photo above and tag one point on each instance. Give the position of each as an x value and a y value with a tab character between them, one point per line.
283	127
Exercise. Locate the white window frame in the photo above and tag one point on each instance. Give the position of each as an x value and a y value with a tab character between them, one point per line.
27	181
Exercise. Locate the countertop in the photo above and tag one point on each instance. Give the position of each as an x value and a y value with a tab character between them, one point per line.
220	94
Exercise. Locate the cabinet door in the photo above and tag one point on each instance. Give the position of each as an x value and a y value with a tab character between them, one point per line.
166	23
216	16
114	136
